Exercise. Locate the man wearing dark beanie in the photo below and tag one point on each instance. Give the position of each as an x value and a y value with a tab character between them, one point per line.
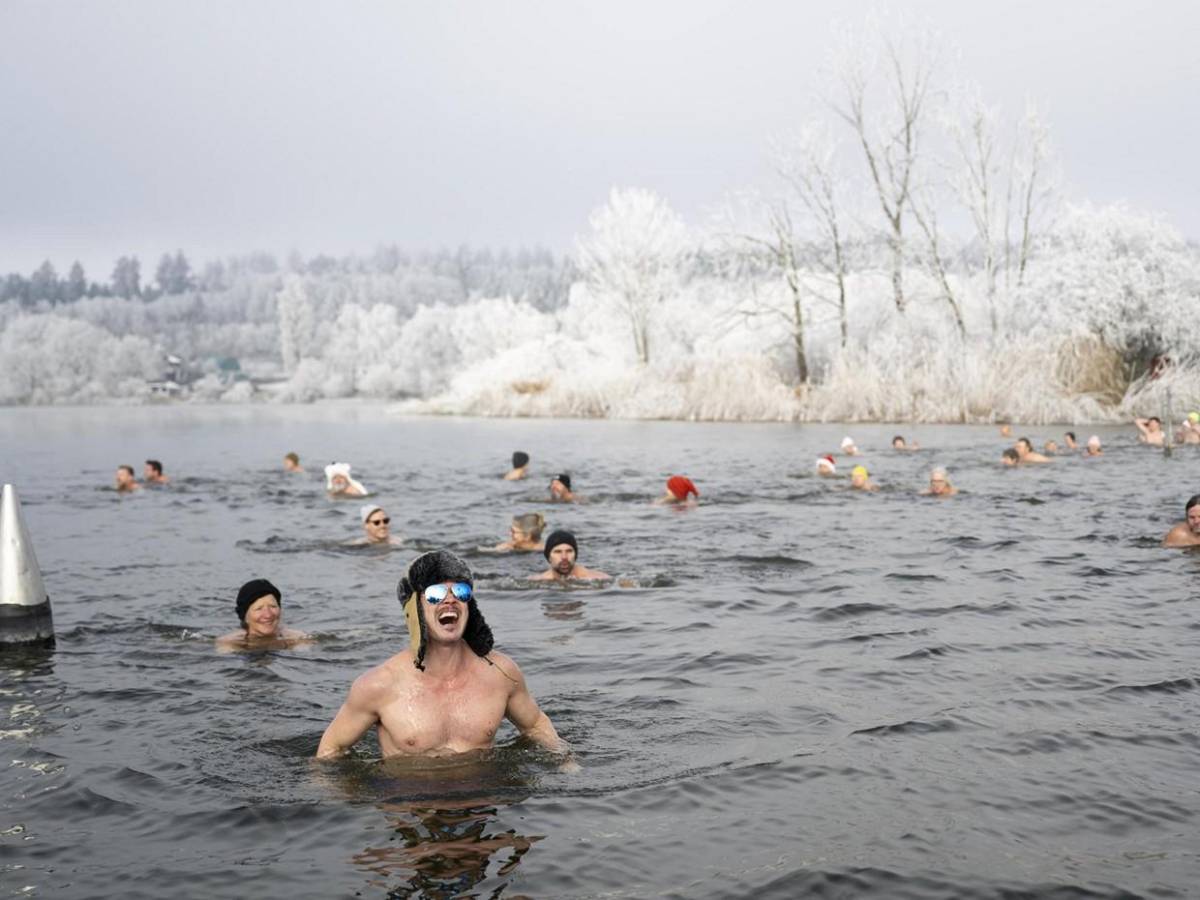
520	465
449	690
561	551
259	608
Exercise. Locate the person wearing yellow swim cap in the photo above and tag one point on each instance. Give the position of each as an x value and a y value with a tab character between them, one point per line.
860	479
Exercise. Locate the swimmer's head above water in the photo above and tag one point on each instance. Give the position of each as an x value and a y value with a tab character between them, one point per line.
561	552
527	527
680	487
259	608
439	585
826	466
520	459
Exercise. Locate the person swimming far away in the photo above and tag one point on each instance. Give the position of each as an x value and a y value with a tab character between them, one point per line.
525	534
448	691
338	482
860	479
152	473
125	482
1150	431
560	489
259	608
520	466
826	466
1093	446
898	443
1187	532
291	463
561	553
681	491
939	484
849	447
1026	455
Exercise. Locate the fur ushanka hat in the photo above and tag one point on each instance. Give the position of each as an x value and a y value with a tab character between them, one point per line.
436	567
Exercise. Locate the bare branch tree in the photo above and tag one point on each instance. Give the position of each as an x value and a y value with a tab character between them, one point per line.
808	167
889	139
924	211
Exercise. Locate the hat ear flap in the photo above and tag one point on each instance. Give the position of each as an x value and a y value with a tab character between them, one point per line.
416	630
477	634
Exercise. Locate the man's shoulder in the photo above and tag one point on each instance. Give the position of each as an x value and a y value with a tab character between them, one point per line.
503	665
382	678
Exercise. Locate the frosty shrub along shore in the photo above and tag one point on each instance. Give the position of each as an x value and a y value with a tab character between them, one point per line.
910	258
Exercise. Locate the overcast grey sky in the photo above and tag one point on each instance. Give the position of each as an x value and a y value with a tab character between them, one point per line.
149	125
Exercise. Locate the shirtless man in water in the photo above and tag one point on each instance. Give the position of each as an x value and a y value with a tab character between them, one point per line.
446	693
561	550
1186	533
1026	454
125	482
1150	431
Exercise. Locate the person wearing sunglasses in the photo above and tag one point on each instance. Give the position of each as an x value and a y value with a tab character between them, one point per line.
376	526
561	551
449	690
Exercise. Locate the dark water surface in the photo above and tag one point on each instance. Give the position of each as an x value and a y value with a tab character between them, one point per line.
810	692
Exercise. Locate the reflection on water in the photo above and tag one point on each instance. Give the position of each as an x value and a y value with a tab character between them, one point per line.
445	853
789	690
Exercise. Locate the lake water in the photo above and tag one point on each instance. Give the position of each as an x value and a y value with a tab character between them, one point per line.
809	692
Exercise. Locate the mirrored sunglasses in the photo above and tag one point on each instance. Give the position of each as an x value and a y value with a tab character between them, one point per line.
436	593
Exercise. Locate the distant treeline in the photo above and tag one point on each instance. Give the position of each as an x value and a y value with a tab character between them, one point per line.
534	274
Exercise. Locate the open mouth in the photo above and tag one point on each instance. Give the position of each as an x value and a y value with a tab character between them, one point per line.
448	616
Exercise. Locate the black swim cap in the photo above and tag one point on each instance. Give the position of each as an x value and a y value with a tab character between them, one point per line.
520	459
559	537
253	590
564	478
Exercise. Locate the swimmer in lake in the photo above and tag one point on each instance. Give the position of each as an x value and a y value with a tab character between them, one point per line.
860	479
1051	447
849	447
448	692
524	534
1009	457
520	465
561	551
939	485
1026	454
826	467
898	443
1190	432
1069	440
1150	431
377	526
152	473
560	489
291	463
680	492
338	482
1187	532
125	482
1005	430
1093	446
259	608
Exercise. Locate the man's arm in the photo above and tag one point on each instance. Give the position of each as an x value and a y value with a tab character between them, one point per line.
523	711
1143	425
358	713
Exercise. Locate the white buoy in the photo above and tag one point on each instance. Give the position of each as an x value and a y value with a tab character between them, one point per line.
24	604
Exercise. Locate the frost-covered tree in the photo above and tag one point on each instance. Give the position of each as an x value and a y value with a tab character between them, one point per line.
297	322
632	257
76	282
883	80
126	277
